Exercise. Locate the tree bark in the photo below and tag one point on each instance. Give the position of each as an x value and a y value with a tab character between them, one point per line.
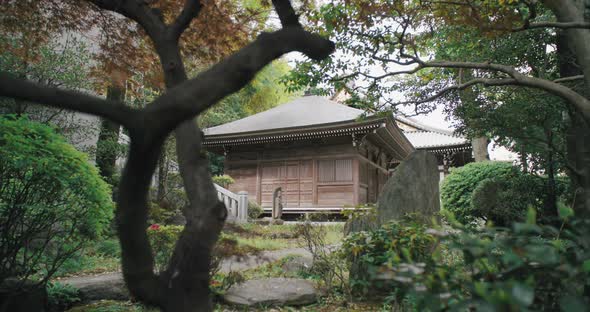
162	174
468	97
480	148
187	275
578	133
184	285
108	139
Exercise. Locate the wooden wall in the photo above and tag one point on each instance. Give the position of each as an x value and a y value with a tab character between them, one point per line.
311	174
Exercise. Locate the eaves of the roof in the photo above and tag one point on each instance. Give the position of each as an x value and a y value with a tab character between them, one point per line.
295	133
422	139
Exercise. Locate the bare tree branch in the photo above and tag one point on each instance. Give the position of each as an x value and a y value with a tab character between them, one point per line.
191	10
476	81
568	79
72	100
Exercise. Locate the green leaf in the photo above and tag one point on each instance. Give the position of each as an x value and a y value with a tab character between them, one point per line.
571	303
531	215
523	294
565	211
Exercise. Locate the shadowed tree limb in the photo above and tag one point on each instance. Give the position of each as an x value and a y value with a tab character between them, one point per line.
189	12
286	13
178	103
184	286
72	100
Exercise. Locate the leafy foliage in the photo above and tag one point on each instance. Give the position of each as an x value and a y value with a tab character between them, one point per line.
61	297
52	200
329	266
264	92
163	240
254	210
504	201
457	188
57	63
524	267
390	245
223	180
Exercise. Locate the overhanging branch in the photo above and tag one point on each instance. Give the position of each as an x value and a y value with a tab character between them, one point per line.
138	10
476	81
286	13
230	75
71	100
189	12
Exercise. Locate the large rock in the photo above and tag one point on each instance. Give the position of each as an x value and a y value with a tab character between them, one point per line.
412	188
272	291
106	286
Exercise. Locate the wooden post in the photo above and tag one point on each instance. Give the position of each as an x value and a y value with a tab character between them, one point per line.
355	181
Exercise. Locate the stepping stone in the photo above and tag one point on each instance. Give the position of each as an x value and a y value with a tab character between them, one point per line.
105	286
272	291
298	263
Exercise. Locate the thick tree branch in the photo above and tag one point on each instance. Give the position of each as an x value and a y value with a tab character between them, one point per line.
230	75
191	10
514	77
138	10
286	13
582	25
577	100
71	100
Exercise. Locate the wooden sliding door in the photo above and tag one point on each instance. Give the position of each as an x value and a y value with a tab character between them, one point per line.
294	177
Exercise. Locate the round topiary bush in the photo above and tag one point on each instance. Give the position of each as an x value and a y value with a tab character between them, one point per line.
504	201
457	188
52	200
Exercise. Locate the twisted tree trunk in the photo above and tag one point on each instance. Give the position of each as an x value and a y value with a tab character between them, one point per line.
184	285
574	58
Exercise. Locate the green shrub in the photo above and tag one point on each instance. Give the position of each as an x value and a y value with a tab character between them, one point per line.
223	180
526	267
391	244
163	240
52	200
457	188
61	297
503	201
254	210
506	200
160	214
109	248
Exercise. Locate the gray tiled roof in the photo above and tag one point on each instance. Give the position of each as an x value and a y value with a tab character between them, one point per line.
304	111
315	110
430	139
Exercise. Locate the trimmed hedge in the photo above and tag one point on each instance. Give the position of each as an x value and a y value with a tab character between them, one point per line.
457	188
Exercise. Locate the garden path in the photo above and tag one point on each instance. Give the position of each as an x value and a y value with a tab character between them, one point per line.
111	285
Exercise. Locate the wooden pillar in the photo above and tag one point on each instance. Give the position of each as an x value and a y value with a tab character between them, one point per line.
315	182
355	180
259	178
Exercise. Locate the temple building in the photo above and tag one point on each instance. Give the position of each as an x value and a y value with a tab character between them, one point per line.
325	156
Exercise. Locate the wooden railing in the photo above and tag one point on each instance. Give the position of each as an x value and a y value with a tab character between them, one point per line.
236	204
